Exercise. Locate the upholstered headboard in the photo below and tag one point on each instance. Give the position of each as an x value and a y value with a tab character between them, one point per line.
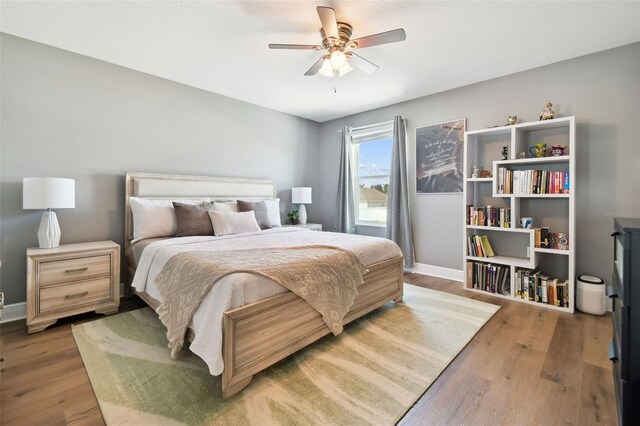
167	186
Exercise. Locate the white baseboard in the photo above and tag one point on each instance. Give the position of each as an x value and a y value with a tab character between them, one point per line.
438	271
14	312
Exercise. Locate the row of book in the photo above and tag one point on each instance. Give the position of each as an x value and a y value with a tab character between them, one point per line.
489	216
489	277
542	238
532	182
537	287
479	246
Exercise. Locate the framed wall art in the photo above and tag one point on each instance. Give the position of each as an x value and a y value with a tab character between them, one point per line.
439	149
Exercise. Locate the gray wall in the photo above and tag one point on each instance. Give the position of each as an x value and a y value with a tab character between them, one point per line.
603	92
66	115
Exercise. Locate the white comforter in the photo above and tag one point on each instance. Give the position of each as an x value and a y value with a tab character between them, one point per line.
239	289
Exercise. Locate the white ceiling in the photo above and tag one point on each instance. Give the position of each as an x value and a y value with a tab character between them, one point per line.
221	46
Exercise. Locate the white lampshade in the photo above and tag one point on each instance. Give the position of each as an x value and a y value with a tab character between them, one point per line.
48	193
301	195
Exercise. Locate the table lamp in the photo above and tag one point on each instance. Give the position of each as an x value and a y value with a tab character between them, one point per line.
301	196
48	193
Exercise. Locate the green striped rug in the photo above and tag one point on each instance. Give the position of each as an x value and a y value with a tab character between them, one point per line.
370	374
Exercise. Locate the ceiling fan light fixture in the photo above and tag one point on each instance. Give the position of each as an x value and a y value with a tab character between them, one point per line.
327	69
345	69
338	59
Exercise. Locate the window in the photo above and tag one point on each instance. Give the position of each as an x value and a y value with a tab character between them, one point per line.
372	151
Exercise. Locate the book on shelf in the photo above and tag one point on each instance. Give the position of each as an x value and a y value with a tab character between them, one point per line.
479	246
496	217
520	182
533	285
489	277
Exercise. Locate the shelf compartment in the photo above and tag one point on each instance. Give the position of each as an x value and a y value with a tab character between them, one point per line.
504	260
542	305
497	228
531	195
488	293
537	160
551	251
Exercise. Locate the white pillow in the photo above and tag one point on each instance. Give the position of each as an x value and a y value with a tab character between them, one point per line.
154	218
227	206
273	211
226	223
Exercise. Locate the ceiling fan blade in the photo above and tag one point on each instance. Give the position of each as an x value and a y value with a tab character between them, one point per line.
295	46
316	67
381	38
329	21
362	64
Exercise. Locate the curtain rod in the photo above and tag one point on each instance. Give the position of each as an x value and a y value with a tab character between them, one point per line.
384	123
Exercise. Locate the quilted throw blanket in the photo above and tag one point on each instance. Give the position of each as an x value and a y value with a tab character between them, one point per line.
326	277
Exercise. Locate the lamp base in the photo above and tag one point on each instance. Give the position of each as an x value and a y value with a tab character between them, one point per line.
302	214
49	231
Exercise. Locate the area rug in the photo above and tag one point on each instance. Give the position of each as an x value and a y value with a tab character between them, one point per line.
371	373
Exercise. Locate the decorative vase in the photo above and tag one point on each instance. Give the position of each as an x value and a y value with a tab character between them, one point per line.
538	150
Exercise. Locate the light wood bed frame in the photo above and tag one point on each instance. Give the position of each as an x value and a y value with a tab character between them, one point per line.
257	335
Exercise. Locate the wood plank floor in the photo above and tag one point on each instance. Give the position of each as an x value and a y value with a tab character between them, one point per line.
527	366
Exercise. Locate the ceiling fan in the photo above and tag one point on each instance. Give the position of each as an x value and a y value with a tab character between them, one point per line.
336	40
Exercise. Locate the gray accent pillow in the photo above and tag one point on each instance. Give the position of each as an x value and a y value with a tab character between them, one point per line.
259	208
192	220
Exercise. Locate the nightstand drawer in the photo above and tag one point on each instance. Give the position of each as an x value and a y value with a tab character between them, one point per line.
66	270
69	295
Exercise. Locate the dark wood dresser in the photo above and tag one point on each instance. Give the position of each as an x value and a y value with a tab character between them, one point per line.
624	291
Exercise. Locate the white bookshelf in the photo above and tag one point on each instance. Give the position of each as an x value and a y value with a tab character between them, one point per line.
514	246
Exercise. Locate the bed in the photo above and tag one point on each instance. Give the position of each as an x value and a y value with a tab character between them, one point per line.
260	332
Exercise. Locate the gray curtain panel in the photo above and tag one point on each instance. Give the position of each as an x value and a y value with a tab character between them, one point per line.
345	219
398	215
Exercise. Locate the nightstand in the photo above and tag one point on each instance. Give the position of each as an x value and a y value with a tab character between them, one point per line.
311	226
71	279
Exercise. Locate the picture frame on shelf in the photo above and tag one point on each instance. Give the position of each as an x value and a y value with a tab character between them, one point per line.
439	157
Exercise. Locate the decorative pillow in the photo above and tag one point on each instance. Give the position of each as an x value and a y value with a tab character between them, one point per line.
227	206
260	209
226	223
192	220
273	209
154	218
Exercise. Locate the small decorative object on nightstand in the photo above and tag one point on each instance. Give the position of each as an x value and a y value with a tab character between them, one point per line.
293	217
310	226
301	196
71	279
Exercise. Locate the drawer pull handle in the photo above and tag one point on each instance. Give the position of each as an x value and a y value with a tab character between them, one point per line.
612	352
71	271
77	295
611	292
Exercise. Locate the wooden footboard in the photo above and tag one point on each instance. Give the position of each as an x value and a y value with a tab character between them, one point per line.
260	334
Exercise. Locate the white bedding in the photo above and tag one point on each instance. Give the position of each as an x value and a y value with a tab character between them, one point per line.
239	289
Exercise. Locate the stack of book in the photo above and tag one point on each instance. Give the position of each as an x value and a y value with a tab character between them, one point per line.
537	287
489	277
531	182
499	217
479	246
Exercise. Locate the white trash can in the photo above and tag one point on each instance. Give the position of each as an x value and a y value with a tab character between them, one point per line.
590	295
